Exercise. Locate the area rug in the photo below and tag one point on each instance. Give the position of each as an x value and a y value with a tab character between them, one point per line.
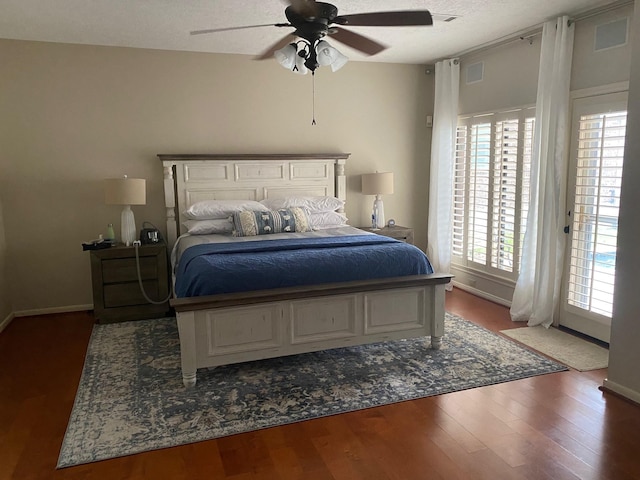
131	398
564	347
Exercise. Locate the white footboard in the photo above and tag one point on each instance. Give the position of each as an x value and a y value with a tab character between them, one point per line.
226	329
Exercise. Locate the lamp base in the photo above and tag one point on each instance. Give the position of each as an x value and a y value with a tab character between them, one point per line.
378	213
127	226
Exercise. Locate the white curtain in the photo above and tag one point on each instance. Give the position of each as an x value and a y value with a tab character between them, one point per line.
445	120
537	293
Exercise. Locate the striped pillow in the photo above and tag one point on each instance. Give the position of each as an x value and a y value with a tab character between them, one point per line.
250	223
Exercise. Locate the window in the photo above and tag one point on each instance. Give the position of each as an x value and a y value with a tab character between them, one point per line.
492	171
592	261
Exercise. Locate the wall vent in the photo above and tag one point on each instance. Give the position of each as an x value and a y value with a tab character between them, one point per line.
611	35
475	72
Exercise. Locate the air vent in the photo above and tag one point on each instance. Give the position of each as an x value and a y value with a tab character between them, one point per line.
611	35
475	72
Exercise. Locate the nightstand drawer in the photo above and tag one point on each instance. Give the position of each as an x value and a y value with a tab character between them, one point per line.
127	294
125	270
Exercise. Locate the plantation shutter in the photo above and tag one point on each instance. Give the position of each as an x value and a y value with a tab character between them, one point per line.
595	219
491	187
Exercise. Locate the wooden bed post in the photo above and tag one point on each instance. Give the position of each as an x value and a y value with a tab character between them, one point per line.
341	180
170	203
187	332
437	316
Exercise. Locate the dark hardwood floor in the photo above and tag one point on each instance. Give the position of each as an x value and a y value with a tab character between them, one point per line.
558	426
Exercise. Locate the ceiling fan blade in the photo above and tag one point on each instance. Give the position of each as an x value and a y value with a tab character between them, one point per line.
286	40
357	41
387	19
227	29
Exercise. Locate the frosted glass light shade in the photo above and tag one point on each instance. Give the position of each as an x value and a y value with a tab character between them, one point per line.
328	55
286	56
377	183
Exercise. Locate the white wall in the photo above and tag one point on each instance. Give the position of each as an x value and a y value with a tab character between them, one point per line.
624	354
510	80
72	115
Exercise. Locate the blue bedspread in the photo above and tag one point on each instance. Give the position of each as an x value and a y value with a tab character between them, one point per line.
256	265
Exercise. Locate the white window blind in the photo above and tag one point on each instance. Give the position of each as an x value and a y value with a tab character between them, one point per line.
596	205
491	190
478	210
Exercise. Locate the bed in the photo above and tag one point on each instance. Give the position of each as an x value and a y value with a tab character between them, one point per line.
219	327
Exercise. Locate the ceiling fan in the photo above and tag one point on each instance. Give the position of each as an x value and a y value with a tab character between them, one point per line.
312	21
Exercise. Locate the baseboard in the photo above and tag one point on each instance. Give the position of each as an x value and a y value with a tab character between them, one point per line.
46	311
481	294
5	323
617	389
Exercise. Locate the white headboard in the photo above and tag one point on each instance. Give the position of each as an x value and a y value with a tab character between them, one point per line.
193	178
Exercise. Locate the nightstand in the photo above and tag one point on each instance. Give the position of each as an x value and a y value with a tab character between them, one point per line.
399	233
116	292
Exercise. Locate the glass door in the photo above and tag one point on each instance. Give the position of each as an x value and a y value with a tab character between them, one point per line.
595	173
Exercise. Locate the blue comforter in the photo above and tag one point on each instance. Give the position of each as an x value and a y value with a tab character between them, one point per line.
238	267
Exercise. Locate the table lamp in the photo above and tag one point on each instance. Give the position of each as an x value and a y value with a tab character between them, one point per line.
126	191
378	184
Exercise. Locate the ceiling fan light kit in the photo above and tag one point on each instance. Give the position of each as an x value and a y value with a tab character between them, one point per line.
302	59
312	21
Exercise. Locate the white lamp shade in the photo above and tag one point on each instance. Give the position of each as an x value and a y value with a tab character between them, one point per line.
377	183
286	56
125	191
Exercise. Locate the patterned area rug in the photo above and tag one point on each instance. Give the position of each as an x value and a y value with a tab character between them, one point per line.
131	397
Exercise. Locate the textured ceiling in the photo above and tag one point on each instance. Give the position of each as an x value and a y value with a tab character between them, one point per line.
165	24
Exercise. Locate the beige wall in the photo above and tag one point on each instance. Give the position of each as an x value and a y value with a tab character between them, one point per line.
73	115
511	70
624	354
510	78
592	69
5	296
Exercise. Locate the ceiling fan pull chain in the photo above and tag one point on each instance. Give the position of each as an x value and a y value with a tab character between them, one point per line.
313	95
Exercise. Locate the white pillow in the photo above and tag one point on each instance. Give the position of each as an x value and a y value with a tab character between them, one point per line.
212	209
313	204
206	227
322	220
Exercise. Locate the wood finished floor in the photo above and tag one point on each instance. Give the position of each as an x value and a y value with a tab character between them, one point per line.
557	426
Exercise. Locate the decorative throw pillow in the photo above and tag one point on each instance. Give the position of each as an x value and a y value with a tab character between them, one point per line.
285	220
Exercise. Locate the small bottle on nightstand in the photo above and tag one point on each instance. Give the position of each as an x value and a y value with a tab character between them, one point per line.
110	236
